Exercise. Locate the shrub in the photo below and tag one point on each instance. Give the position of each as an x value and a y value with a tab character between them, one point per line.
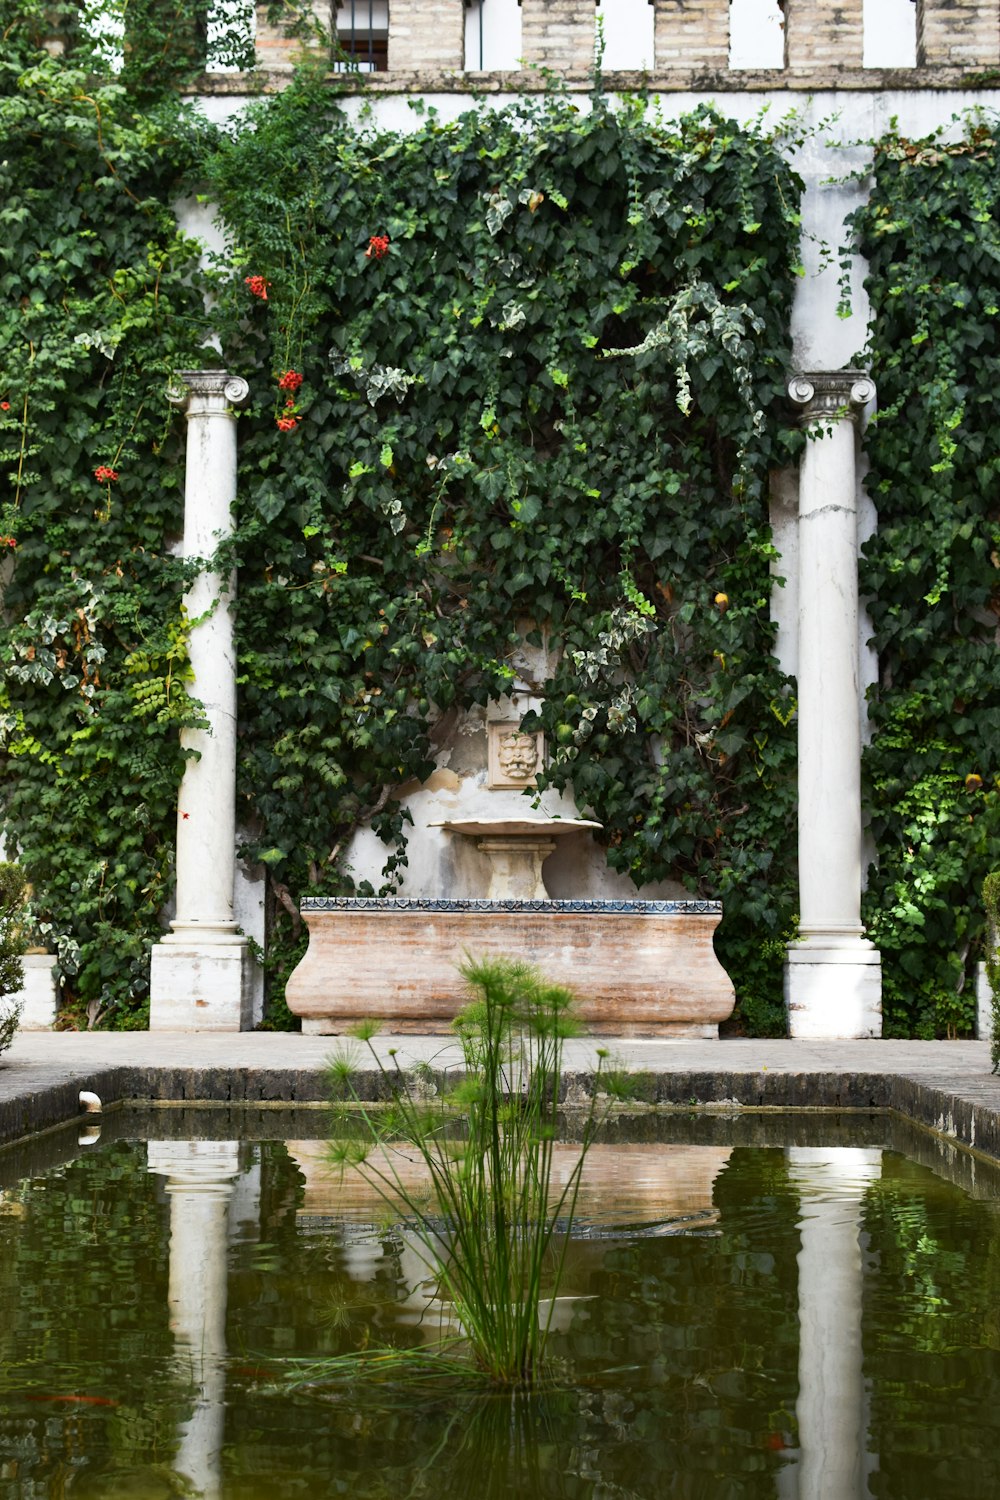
13	940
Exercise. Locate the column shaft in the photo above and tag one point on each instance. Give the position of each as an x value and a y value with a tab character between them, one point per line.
206	812
831	1405
829	718
833	979
200	1177
199	977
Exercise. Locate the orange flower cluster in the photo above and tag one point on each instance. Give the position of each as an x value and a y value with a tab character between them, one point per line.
104	475
378	247
257	286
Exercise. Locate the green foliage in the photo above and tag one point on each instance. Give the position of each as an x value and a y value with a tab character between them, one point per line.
101	298
541	356
538	350
932	571
991	904
496	1230
13	941
155	47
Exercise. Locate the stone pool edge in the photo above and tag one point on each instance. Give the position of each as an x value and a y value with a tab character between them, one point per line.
945	1087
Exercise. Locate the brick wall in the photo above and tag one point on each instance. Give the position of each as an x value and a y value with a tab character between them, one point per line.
558	33
958	31
426	34
429	35
274	48
692	34
823	34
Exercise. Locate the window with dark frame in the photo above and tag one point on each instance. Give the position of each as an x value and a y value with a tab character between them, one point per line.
362	36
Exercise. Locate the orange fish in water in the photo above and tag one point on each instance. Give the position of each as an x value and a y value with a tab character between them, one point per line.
75	1400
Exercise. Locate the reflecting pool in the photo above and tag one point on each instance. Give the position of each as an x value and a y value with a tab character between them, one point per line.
805	1308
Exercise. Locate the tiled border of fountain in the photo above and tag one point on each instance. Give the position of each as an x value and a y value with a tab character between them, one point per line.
475	903
639	968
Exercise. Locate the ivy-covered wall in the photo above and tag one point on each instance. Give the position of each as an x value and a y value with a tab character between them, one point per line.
519	372
100	298
932	572
522	368
536	351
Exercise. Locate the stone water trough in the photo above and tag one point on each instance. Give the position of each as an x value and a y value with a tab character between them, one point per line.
639	968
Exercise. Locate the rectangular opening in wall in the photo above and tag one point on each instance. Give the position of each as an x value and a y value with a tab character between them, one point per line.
890	34
492	35
756	34
627	30
363	36
230	36
105	27
218	34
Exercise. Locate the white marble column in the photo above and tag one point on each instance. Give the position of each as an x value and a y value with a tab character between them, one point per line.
831	1408
200	1177
833	978
199	976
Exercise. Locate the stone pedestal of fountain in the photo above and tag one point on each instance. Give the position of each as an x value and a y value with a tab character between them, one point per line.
638	968
516	849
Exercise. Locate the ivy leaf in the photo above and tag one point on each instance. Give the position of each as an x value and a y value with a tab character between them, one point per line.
272	856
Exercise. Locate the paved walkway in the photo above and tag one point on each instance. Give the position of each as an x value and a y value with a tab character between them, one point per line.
35	1054
945	1085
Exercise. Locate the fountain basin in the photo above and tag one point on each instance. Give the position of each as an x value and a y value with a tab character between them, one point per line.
638	968
516	848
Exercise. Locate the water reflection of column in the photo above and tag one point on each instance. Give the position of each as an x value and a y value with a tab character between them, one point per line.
831	1404
200	1176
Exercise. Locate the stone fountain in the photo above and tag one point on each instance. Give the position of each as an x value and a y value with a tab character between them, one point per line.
638	967
516	849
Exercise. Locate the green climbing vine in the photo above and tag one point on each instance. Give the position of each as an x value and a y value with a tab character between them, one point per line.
101	297
517	378
514	377
932	572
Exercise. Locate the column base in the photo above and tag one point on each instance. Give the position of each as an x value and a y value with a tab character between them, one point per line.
200	986
833	987
38	996
190	933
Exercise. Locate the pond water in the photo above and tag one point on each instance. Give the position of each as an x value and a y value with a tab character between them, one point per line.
806	1309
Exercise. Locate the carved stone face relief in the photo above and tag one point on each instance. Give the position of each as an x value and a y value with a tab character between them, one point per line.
518	755
515	758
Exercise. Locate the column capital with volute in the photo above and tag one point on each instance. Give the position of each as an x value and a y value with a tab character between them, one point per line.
830	395
207	392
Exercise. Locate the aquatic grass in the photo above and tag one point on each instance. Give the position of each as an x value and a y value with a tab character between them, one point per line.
387	1365
494	1226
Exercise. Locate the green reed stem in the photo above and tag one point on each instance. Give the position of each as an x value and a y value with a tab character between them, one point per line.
487	1146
